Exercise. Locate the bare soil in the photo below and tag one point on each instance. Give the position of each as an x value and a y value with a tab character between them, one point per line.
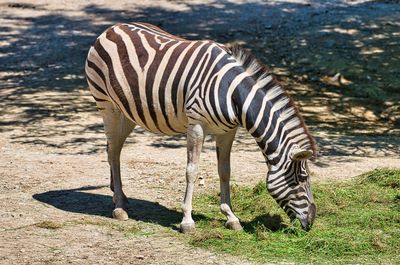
55	202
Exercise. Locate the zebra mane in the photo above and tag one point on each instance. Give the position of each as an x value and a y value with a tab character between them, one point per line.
260	72
249	62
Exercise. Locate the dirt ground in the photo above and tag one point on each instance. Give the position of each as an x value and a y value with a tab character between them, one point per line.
55	203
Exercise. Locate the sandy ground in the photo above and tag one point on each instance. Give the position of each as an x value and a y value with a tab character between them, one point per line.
55	203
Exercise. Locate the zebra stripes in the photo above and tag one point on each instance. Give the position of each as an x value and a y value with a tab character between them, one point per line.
165	84
148	86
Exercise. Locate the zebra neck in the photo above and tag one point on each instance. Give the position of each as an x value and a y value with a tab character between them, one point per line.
265	109
270	117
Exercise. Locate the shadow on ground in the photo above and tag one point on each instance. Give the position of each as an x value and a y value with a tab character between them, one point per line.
81	201
45	101
267	221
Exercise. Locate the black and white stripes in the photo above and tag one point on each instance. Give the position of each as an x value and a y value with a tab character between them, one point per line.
165	84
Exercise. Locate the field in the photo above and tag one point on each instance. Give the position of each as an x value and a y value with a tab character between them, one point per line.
338	59
358	222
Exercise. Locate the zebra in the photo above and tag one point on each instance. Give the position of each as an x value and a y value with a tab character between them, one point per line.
141	75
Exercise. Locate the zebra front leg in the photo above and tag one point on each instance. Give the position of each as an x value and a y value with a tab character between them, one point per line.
117	127
195	138
224	145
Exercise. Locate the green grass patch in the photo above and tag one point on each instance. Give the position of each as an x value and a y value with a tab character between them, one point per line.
358	221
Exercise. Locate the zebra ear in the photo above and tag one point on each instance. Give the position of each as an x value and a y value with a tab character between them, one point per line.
300	154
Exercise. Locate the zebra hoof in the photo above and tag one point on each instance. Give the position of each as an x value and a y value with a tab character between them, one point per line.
120	214
187	228
234	225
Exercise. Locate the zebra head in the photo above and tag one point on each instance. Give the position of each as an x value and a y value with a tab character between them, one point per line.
288	183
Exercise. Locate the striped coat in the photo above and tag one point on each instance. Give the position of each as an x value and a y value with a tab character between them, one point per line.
170	85
160	90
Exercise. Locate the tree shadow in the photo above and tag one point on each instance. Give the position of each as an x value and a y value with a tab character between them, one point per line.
44	95
80	201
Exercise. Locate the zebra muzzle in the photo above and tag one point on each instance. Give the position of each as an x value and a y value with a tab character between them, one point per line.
307	222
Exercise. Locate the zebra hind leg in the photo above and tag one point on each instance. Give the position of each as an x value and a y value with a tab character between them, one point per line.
195	138
224	145
117	128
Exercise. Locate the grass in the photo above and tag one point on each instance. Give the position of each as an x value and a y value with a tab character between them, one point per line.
129	229
49	225
358	221
110	224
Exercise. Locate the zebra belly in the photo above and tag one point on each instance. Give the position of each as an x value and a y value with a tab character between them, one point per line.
155	112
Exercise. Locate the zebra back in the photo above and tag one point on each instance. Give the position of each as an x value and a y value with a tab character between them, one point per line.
163	82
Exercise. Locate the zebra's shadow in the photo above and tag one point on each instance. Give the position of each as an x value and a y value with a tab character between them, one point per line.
79	201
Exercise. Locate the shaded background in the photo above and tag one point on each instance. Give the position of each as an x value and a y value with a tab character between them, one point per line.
44	100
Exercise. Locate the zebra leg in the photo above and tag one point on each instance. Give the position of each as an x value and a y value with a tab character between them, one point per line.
195	138
117	127
224	145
